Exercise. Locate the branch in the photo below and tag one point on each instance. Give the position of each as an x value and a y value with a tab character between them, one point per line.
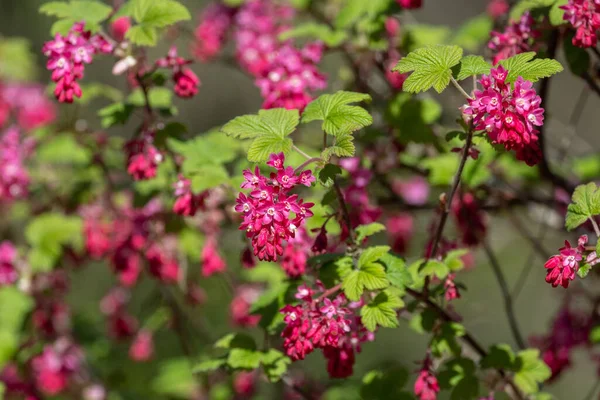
508	303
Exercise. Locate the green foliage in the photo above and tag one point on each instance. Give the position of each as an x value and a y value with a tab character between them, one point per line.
151	15
69	13
118	113
453	259
500	356
459	375
328	173
316	31
381	311
174	379
396	271
364	231
338	116
594	334
353	11
473	33
445	340
17	62
530	371
63	149
14	307
48	234
531	70
585	204
584	270
423	35
369	275
556	14
413	117
443	167
472	65
385	383
587	167
431	67
343	146
93	91
435	268
269	130
528	5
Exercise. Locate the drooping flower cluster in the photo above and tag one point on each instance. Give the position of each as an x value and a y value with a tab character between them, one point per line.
426	385
561	268
469	218
518	37
14	178
187	203
451	290
239	307
285	75
584	16
143	157
67	56
295	254
497	8
186	81
52	315
508	116
210	35
8	270
121	325
392	29
56	365
27	104
322	323
271	215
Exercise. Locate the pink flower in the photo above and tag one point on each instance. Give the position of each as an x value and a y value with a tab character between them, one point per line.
14	178
142	348
294	261
561	268
584	16
469	218
186	83
426	386
119	28
451	290
55	365
414	191
164	268
240	306
212	263
400	228
508	116
211	33
244	383
518	37
340	361
143	158
410	4
8	255
497	8
186	204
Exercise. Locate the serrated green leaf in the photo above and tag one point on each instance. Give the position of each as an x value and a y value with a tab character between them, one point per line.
459	375
435	268
371	255
430	66
236	341
446	339
92	12
275	364
316	31
556	13
142	35
343	147
453	259
205	177
530	371
353	11
381	311
159	13
338	116
585	203
210	365
413	117
364	231
385	383
531	70
527	5
244	359
370	274
396	271
584	270
115	114
472	65
474	33
500	356
269	129
328	173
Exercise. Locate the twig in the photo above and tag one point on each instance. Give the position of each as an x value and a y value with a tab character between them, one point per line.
344	208
302	153
595	225
460	89
508	302
450	197
306	163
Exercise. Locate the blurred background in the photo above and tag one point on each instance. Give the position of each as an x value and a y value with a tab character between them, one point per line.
226	93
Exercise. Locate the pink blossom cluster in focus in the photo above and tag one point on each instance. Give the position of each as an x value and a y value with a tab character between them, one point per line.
584	16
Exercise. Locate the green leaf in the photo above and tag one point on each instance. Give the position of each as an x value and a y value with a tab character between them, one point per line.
413	117
556	13
63	149
328	173
584	270
454	260
385	383
174	379
338	116
500	356
236	341
92	12
114	114
423	35
527	5
381	311
17	61
431	67
200	151
210	365
594	334
275	364
435	268
530	371
474	33
578	60
472	65
142	35
207	177
159	97
244	358
446	339
353	11
342	147
396	271
371	255
159	13
316	31
531	70
585	204
269	129
370	274
459	374
364	231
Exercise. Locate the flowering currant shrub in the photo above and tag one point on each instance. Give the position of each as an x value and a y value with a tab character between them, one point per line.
344	232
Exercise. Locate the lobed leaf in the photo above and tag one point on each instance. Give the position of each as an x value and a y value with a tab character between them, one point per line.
430	67
338	116
472	65
585	203
531	70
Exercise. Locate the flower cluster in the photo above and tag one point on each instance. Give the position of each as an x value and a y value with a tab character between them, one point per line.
497	8
561	268
187	203
271	214
14	178
518	37
186	81
329	325
469	218
410	4
56	365
239	308
584	16
142	347
210	35
285	75
119	27
426	385
142	156
67	56
8	256
27	103
392	29
508	116
121	325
